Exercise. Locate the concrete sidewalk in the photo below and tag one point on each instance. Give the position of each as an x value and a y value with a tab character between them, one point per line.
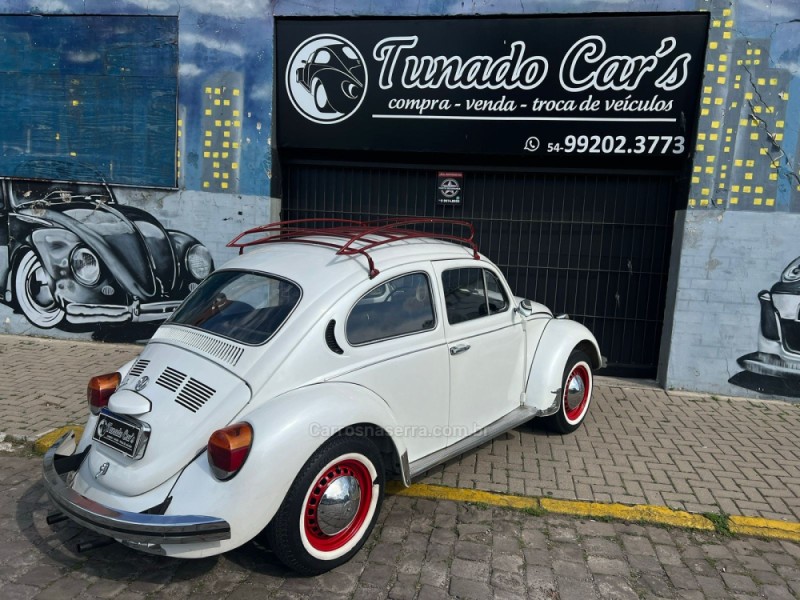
640	444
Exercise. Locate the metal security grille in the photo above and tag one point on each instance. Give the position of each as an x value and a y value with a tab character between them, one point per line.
595	246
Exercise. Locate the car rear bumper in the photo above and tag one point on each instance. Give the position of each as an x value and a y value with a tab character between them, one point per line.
143	531
114	313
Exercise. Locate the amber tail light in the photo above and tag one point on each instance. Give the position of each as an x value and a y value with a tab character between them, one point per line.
228	449
100	390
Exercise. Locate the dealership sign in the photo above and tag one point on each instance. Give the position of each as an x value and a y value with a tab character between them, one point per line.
619	88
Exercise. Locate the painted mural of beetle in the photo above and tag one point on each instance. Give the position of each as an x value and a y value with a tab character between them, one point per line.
71	255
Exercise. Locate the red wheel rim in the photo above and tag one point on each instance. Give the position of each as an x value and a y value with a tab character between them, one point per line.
345	468
574	412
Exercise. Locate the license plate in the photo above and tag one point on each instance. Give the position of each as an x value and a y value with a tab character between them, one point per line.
121	434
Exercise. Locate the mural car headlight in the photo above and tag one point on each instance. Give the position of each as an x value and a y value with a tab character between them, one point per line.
198	261
85	266
792	272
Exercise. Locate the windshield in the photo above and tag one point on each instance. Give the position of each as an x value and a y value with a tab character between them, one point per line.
29	191
246	307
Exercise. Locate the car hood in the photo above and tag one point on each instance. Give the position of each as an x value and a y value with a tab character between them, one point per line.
130	242
190	398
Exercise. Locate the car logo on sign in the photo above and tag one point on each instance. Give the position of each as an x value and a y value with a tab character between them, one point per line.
142	383
449	188
326	79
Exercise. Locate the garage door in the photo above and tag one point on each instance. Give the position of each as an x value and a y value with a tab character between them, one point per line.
595	246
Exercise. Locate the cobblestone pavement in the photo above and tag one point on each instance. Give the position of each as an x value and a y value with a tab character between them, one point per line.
419	549
639	444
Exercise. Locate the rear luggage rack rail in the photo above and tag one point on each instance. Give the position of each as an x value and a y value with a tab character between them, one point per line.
368	234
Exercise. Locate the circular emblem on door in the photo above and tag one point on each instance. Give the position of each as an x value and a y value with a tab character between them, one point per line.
326	79
142	383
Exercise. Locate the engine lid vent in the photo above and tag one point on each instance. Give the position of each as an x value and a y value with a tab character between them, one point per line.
171	379
139	367
194	395
330	338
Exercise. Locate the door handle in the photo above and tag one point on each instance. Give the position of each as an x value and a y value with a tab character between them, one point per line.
459	349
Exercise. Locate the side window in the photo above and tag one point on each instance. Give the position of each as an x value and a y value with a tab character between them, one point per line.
398	307
498	301
472	293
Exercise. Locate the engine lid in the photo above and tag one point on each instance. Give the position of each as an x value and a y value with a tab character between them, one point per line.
189	396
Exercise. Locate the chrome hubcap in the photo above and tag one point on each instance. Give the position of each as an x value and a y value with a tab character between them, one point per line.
339	505
575	392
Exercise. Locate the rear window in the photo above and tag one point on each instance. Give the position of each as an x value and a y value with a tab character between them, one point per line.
246	307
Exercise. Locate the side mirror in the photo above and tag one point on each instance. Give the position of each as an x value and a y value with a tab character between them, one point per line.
525	308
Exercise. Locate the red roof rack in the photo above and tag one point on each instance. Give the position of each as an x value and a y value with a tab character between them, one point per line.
344	234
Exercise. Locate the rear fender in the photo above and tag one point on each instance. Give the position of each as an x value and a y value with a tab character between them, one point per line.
287	430
559	339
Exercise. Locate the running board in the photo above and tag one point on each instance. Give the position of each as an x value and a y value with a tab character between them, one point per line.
516	417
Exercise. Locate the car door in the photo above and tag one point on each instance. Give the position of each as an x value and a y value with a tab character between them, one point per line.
485	341
395	337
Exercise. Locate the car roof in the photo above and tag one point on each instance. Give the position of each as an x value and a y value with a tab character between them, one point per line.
317	268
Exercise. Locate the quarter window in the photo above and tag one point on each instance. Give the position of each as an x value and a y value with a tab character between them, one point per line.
398	307
472	293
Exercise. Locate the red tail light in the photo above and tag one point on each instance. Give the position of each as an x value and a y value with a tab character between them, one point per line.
228	449
100	390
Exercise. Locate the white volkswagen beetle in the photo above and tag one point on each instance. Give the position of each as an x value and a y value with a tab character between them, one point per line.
301	375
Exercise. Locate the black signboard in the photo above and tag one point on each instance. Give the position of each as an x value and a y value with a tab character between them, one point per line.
576	89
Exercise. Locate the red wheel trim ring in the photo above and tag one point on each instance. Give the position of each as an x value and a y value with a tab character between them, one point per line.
582	372
328	543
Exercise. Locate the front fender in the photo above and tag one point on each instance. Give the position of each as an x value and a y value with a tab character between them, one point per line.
559	339
287	430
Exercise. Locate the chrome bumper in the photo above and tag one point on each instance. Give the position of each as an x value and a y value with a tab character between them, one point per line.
135	528
113	313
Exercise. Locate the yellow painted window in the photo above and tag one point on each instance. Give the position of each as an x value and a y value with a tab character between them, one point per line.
706	100
738	162
234	166
700	147
748	176
726	35
770	201
723	175
750	163
727	138
709	67
738	78
723	58
226	102
734	104
734	188
779	124
749	52
728	23
721	186
747	189
227	122
757	51
707	89
224	185
215	165
208	112
236	113
216	174
709	170
778	137
704	191
236	91
695	179
206	184
714	124
235	144
713	45
710	159
773	81
757	109
215	155
224	155
759	189
208	133
206	154
734	200
226	134
704	112
713	137
180	133
722	69
207	143
762	151
743	123
216	102
692	201
224	175
716	23
726	12
761	81
726	149
237	123
697	168
704	202
757	201
773	177
748	95
208	90
226	144
217	91
724	167
717	101
754	136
